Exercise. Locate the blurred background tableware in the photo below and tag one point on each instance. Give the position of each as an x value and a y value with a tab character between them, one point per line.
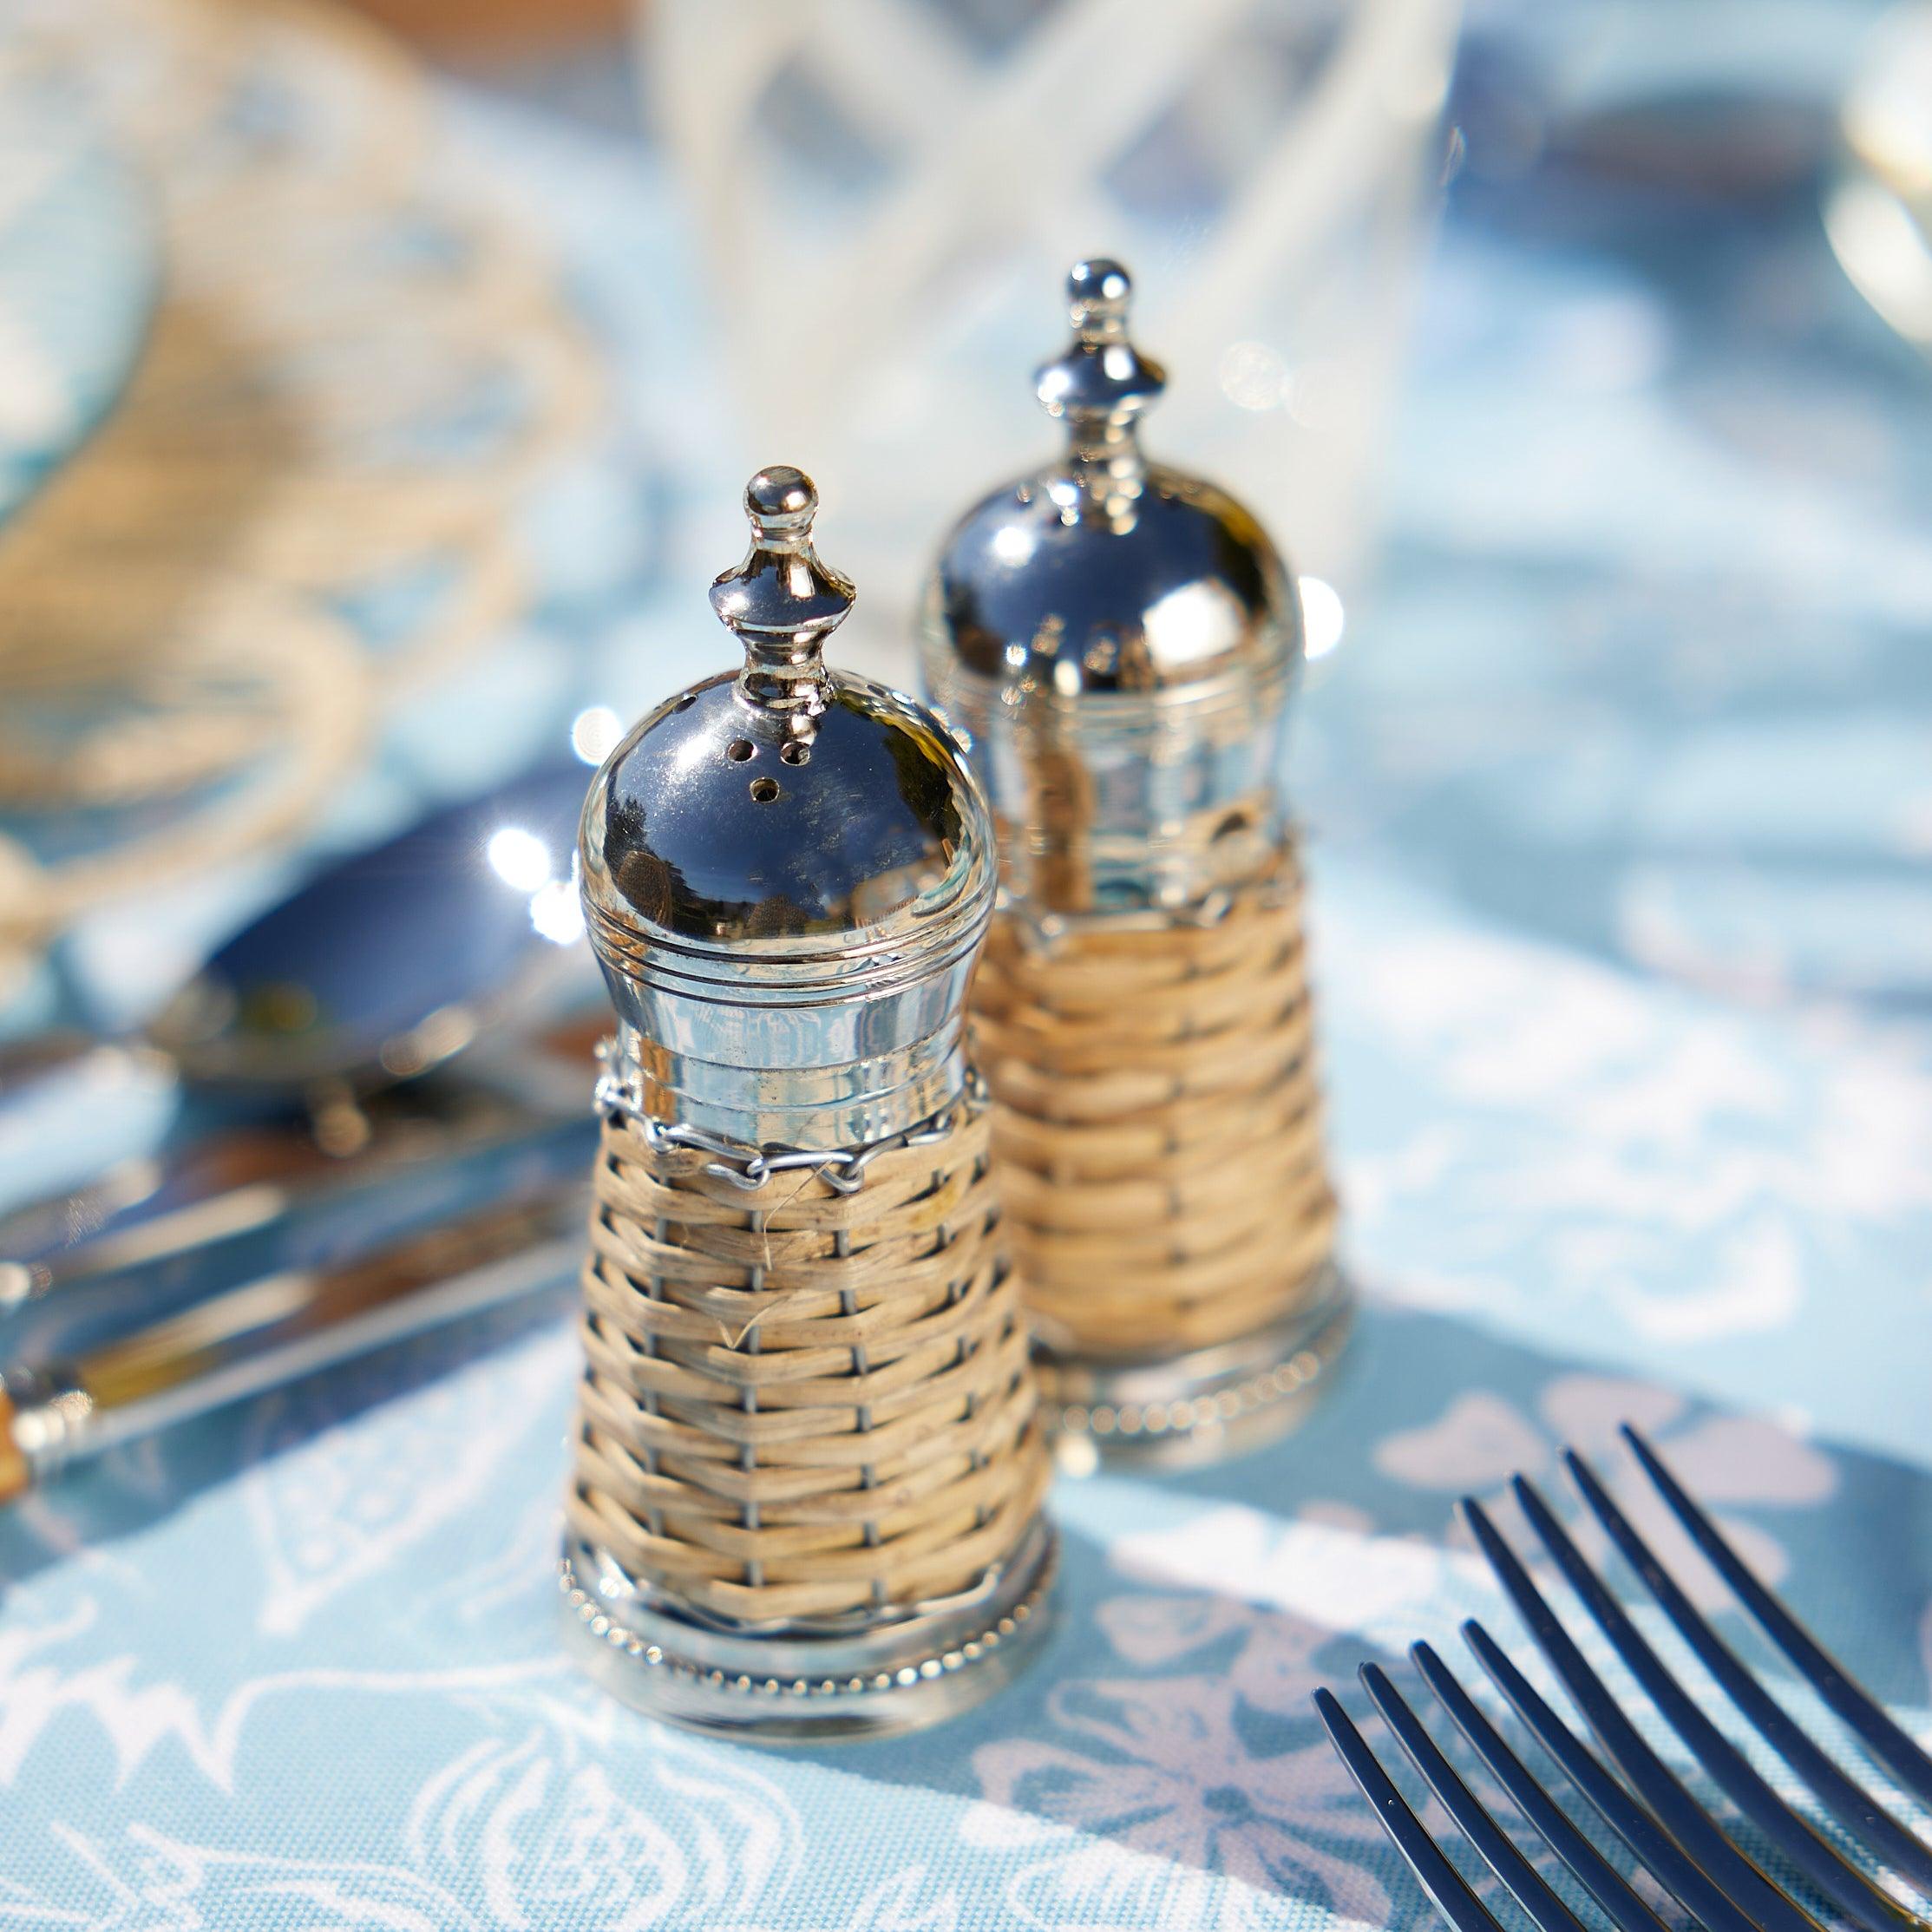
316	1119
439	1151
319	494
1271	168
323	562
379	968
163	1369
386	963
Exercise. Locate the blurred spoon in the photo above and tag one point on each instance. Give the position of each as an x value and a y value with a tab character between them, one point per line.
378	967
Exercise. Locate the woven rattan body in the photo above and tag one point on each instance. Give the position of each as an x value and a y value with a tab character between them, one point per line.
801	1404
1158	1124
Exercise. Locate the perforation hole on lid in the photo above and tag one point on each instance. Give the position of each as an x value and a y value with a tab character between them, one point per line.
764	789
739	749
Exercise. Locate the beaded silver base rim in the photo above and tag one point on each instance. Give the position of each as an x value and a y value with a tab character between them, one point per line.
807	1687
1203	1406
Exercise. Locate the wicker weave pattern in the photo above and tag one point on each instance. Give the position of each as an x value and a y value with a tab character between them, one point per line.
1158	1124
798	1402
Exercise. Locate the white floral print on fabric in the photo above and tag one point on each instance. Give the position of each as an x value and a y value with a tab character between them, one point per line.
518	1835
331	1506
548	1832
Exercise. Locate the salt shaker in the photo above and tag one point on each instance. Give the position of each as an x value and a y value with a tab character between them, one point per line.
808	1464
1121	641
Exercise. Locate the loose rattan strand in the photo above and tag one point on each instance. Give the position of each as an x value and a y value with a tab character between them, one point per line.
799	1404
1157	1123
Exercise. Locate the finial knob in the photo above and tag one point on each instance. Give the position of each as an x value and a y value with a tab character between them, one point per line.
1097	294
782	601
1101	381
781	501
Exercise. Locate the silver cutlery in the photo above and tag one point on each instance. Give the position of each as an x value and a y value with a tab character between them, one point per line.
379	968
262	1334
454	1152
1637	1797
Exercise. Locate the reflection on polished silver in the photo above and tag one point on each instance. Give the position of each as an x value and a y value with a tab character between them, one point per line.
1120	639
1202	1406
1044	930
287	1323
842	1168
785	875
847	1677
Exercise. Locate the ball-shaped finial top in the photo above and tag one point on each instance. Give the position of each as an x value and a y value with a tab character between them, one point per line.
1102	382
781	502
1099	294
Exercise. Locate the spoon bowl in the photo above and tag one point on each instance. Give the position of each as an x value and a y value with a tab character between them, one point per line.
381	965
388	962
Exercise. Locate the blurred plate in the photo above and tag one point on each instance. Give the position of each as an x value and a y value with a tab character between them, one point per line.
79	277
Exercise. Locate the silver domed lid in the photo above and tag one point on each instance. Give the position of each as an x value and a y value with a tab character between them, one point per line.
790	832
1105	574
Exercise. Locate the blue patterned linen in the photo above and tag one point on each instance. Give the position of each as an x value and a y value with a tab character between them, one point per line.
1621	814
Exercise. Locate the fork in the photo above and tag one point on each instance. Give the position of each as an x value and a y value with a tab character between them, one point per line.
1682	1845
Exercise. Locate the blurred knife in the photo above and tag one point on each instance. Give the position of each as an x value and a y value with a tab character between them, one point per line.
279	1328
429	1171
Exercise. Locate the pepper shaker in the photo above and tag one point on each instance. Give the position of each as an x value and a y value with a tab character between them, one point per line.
1121	641
809	1465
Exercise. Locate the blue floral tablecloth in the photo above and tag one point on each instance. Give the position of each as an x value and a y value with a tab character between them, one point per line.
1620	797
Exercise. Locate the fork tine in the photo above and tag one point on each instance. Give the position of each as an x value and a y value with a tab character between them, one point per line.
1646	1772
1605	1883
1847	1888
1875	1727
1527	1885
1682	1878
1443	1884
1854	1807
